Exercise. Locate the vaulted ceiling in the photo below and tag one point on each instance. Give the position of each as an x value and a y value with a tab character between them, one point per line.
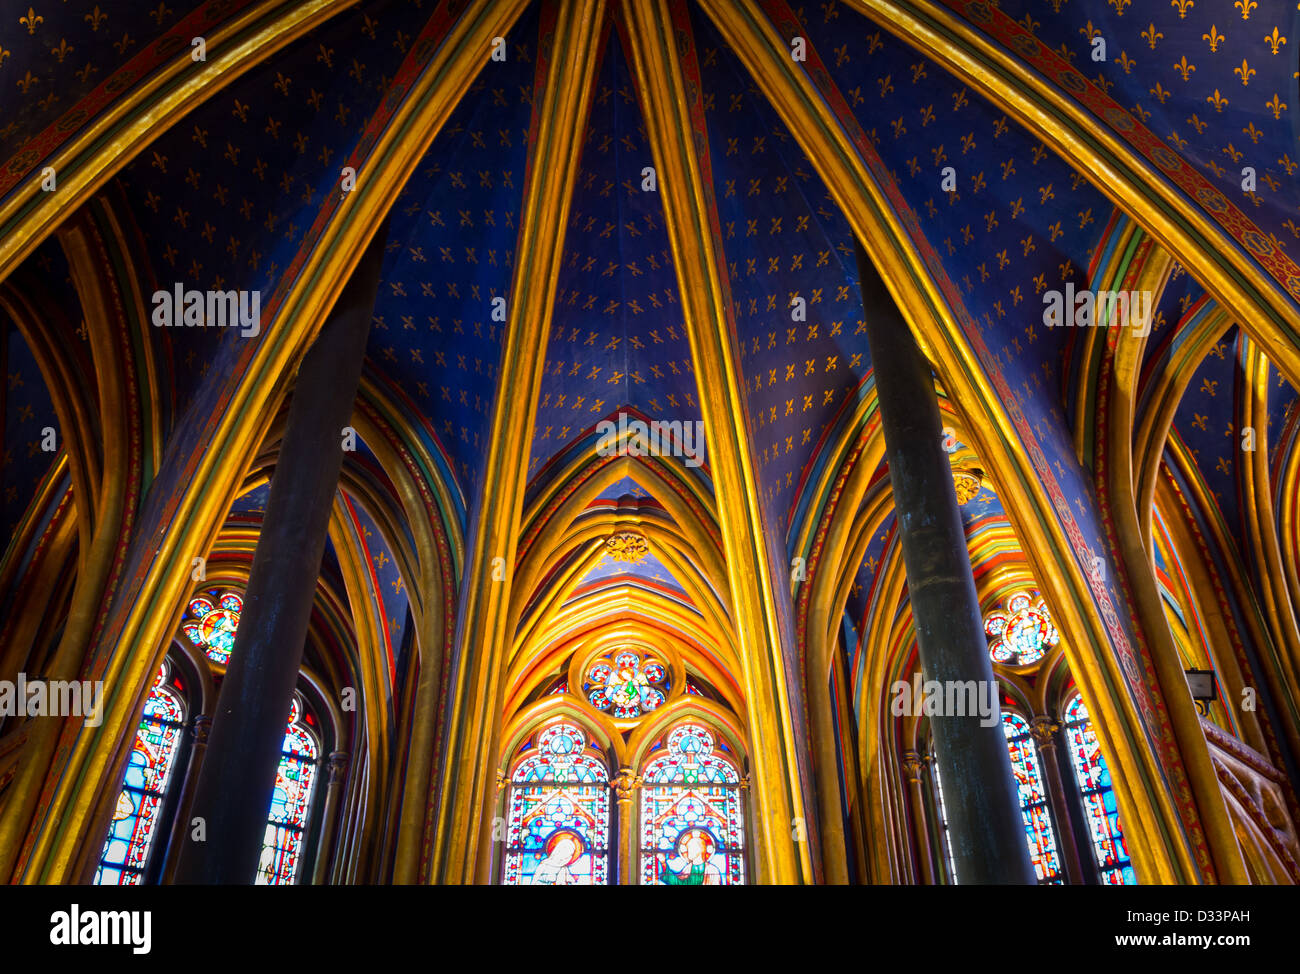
1064	168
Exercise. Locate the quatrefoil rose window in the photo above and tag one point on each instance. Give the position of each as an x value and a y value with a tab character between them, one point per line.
626	684
1022	634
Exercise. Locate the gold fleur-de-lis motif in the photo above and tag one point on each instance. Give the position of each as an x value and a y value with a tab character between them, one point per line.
1245	6
4	53
326	56
1214	37
1275	106
1119	6
26	82
1217	100
95	18
31	20
1183	6
1183	68
1274	40
1253	132
886	85
160	14
1244	72
1208	385
63	50
1159	92
1126	62
1196	123
1152	35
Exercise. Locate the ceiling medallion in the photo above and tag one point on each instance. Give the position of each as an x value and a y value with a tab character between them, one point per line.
627	546
967	487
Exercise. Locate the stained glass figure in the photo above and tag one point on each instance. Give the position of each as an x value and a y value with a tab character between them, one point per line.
557	831
1022	634
1033	798
1090	771
692	830
295	778
626	683
148	773
210	623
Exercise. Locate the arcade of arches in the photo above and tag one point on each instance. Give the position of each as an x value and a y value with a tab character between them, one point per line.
628	459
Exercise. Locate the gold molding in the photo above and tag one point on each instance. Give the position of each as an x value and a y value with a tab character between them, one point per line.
461	850
777	792
1121	395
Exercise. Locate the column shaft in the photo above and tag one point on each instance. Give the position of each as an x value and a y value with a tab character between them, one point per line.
1045	732
912	767
238	773
983	809
338	766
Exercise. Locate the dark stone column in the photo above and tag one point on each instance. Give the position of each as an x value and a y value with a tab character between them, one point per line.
198	729
1046	732
982	805
338	766
913	765
244	748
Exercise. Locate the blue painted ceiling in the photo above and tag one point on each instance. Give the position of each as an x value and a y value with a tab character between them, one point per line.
1202	76
224	198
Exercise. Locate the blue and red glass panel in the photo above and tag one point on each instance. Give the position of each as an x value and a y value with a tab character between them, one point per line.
1098	794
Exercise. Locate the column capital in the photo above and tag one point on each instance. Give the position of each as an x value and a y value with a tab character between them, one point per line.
1043	730
338	763
502	780
625	783
200	727
913	762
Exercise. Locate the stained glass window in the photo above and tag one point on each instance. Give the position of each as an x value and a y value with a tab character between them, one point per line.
210	623
295	778
626	683
1022	634
1033	798
1090	771
943	823
558	825
148	772
692	831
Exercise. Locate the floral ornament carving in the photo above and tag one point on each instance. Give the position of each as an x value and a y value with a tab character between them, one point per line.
627	546
967	487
